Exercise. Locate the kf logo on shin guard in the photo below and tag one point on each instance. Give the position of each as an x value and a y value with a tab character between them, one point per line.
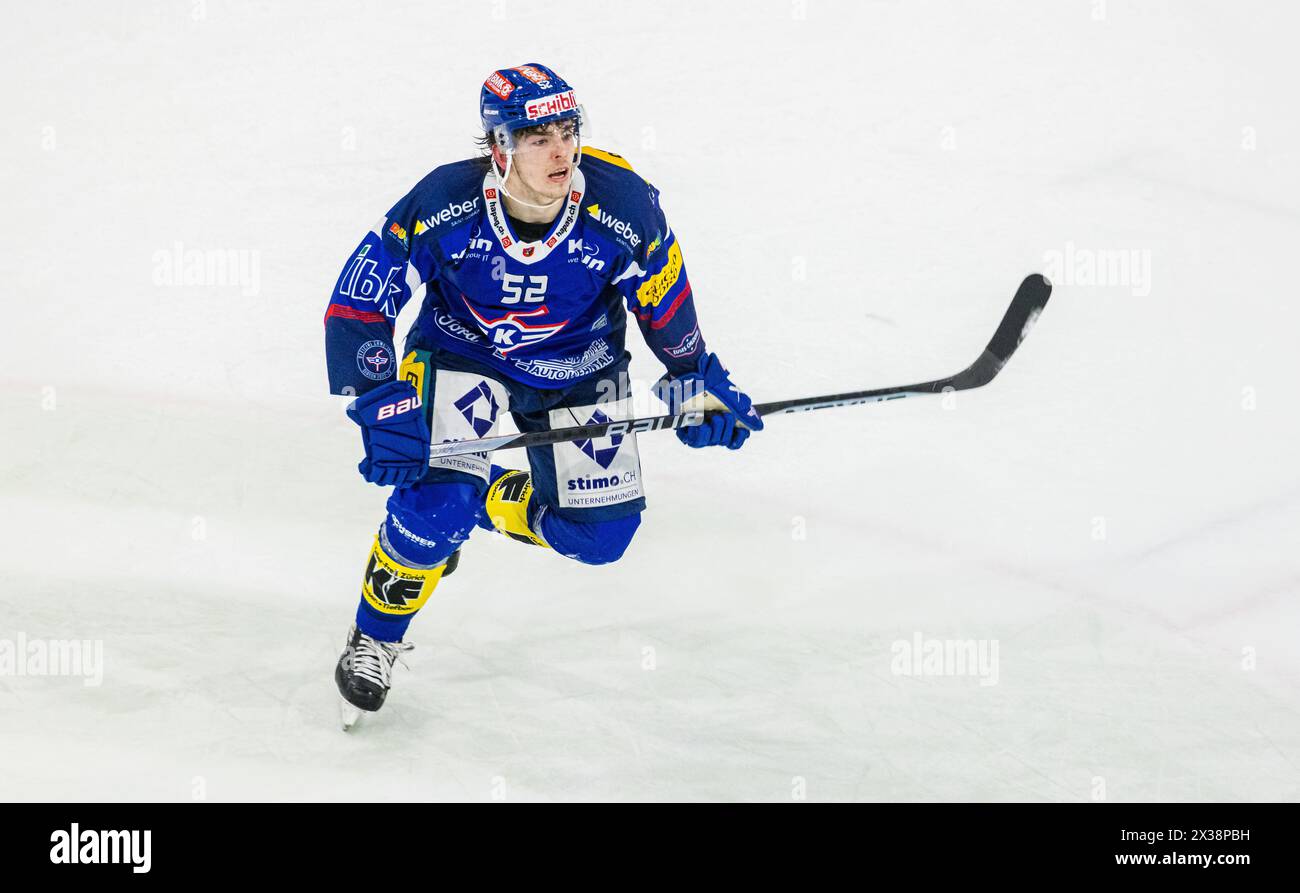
389	588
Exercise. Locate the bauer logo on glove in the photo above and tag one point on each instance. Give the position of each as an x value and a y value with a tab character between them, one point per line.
406	404
395	438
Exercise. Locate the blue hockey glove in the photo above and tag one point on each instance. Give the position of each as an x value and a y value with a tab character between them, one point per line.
710	387
394	433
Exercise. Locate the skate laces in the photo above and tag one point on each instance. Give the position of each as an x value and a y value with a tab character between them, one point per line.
373	659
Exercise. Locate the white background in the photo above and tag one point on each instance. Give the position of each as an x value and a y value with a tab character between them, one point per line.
858	188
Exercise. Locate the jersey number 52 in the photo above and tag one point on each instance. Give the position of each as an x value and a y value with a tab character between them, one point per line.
516	290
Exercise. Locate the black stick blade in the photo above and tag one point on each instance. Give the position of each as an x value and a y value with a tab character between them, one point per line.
1020	317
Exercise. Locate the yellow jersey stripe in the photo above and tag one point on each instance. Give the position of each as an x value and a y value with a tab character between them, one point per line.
610	157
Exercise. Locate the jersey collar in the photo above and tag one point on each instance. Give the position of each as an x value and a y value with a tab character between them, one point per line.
531	252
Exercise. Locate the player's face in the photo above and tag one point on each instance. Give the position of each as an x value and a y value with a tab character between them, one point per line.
544	161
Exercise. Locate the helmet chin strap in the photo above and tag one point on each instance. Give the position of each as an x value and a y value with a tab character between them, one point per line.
502	177
501	184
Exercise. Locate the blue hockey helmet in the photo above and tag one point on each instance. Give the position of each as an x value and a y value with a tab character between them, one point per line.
526	96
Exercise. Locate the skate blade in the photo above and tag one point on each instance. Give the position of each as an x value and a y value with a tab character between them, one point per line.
349	716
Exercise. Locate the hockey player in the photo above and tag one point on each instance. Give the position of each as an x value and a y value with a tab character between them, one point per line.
526	258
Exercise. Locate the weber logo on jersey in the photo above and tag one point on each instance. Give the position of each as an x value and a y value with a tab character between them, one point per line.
452	211
621	227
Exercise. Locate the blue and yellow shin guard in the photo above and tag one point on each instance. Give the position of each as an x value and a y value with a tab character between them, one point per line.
391	593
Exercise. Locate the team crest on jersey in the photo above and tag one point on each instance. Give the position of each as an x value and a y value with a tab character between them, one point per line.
511	332
375	360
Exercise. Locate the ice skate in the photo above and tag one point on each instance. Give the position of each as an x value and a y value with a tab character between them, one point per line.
364	674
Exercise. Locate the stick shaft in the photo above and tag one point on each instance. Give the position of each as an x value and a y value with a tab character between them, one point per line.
1020	316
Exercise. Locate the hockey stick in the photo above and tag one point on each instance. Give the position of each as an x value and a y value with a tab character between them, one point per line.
1029	301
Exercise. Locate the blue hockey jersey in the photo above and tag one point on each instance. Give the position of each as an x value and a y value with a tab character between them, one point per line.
544	313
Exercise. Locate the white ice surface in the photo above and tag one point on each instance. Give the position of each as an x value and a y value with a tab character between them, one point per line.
175	482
